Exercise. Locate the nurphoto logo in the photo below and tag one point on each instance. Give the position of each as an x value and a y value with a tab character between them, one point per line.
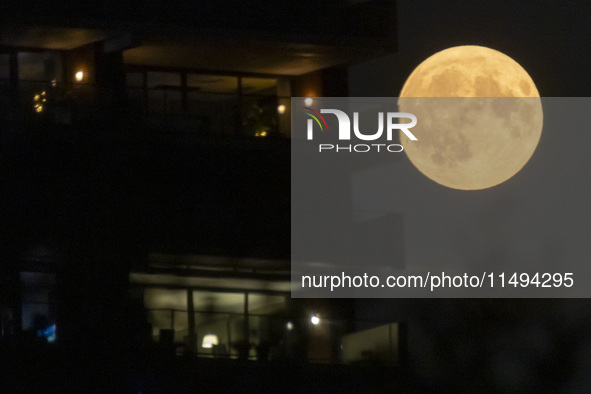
391	119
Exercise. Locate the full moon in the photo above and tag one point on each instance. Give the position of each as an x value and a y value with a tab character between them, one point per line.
479	117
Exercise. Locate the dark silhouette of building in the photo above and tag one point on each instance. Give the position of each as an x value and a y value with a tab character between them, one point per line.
146	190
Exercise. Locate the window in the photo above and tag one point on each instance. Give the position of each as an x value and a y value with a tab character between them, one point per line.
136	90
214	100
259	110
164	92
220	315
38	313
39	75
210	104
267	323
39	67
167	311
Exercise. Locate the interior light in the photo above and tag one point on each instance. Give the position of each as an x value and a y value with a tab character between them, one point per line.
49	333
79	76
38	100
308	101
281	109
315	320
209	340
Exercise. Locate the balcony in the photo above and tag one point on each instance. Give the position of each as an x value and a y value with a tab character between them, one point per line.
188	110
213	190
272	338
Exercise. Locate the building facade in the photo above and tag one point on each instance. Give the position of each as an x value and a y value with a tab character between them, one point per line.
147	149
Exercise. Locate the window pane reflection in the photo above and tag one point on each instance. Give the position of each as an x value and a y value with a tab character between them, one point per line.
39	66
165	299
212	84
259	86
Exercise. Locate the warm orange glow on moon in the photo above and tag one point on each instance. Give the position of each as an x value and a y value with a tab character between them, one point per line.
479	117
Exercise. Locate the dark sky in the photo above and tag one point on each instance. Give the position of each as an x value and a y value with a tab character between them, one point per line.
549	38
541	215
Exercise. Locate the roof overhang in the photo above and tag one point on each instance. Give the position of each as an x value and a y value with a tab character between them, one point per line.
49	37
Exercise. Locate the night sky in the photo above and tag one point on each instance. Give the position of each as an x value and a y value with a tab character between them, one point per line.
540	214
548	38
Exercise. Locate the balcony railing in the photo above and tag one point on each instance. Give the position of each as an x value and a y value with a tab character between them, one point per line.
265	338
161	110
